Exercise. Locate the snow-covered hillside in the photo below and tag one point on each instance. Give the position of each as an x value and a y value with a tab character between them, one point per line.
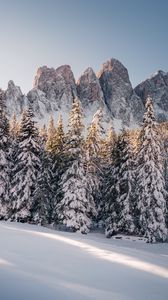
37	263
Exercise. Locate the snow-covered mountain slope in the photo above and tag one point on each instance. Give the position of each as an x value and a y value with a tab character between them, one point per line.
111	90
38	263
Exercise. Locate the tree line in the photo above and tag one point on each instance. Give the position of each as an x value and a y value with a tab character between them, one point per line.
80	181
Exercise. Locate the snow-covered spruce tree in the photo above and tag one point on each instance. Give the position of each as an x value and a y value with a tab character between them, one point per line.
124	221
43	196
150	181
93	147
43	135
25	170
59	165
4	161
50	136
107	157
75	207
164	136
112	209
108	146
14	127
54	168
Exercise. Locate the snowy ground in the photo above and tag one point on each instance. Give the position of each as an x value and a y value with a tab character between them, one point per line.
40	264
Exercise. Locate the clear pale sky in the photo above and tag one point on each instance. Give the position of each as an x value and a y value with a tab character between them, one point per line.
81	33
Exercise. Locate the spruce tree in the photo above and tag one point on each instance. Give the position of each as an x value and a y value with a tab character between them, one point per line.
14	127
55	157
4	161
75	208
108	146
43	135
93	158
43	208
59	165
25	170
111	192
150	181
107	156
50	135
43	197
125	186
163	127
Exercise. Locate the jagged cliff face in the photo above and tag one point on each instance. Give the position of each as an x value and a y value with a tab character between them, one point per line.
119	96
58	86
91	96
116	87
14	99
89	90
111	90
157	88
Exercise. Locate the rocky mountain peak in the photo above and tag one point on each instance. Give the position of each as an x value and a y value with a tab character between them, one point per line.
89	90
89	73
15	100
114	66
11	84
47	75
110	90
157	88
58	86
13	88
117	89
66	72
159	79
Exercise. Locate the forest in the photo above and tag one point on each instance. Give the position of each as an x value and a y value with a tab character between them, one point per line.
82	178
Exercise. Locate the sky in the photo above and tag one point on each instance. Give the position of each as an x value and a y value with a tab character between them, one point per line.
81	33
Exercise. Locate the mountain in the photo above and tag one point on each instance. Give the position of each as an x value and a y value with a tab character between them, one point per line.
119	96
157	88
58	86
14	99
89	90
111	90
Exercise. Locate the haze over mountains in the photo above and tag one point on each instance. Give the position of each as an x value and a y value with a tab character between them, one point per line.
111	90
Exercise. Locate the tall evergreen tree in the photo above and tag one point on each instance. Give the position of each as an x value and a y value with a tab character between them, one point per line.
93	147
112	209
4	161
59	164
107	155
108	146
150	181
122	216
43	202
75	207
50	135
43	196
14	127
26	170
163	127
43	135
